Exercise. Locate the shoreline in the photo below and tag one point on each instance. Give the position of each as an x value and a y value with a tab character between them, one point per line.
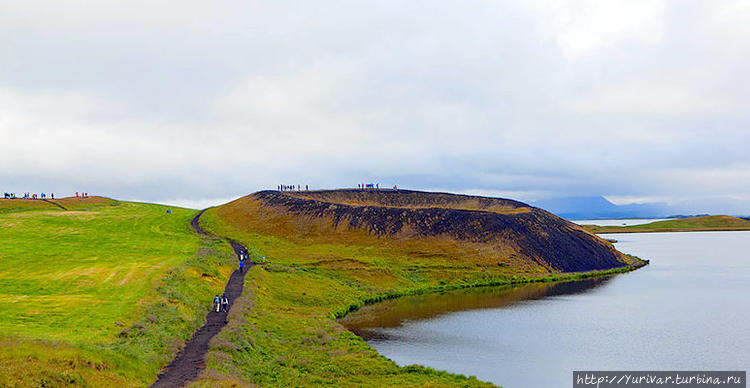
338	315
571	276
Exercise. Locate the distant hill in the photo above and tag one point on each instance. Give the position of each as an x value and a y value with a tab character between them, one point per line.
577	208
597	207
690	224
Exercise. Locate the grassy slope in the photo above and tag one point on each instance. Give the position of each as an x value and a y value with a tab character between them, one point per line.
289	337
692	224
103	294
20	205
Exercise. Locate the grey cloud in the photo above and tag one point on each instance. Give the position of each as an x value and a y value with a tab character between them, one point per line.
144	100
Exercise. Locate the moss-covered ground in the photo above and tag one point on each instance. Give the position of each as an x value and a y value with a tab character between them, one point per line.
102	294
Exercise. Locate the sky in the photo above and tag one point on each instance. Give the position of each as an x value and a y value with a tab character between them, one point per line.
203	102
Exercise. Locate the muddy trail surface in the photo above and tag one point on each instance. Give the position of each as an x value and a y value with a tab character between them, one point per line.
190	361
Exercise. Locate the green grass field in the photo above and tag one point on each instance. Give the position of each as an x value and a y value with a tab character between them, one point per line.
691	224
105	293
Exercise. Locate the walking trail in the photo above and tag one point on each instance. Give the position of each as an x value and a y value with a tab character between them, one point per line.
54	203
190	361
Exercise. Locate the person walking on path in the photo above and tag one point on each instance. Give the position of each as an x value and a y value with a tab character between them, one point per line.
242	264
217	303
224	303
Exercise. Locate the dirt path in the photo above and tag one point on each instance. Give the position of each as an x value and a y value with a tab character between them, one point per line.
55	203
190	361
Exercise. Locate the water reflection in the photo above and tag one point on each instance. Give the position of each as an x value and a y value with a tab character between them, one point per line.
688	310
369	321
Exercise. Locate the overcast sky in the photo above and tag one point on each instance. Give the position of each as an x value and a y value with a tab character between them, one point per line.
198	102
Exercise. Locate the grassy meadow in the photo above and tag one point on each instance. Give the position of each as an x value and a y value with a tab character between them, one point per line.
103	293
690	224
97	292
283	331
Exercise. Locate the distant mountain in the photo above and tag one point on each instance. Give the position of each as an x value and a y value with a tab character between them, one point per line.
599	207
579	208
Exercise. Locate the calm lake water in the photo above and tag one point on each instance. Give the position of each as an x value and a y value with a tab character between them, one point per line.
688	310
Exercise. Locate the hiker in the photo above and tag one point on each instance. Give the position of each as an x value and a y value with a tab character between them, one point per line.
242	265
224	303
217	303
52	195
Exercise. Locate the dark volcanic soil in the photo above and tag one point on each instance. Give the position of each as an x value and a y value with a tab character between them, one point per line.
539	235
190	361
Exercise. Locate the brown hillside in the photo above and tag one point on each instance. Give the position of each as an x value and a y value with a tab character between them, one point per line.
469	229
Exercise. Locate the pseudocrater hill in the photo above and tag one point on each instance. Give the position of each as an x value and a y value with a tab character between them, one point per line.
462	229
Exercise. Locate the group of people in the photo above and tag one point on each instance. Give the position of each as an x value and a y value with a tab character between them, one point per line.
291	188
361	186
242	255
40	195
372	186
221	303
28	196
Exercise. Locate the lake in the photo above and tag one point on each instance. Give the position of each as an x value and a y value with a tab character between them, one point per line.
688	310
